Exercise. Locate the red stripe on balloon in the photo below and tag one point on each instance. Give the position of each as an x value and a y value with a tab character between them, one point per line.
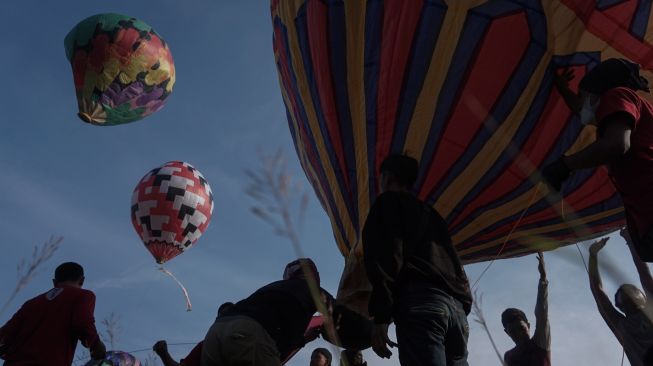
484	83
317	17
400	20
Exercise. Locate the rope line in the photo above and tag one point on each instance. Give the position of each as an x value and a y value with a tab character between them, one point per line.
505	241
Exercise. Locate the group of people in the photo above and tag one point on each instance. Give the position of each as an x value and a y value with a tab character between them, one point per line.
418	281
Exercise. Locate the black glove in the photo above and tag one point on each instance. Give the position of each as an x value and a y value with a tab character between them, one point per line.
556	173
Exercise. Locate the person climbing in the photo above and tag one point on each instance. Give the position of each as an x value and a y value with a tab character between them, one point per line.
608	99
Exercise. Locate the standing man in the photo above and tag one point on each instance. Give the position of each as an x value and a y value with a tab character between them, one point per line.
269	325
417	278
632	326
46	329
535	351
624	143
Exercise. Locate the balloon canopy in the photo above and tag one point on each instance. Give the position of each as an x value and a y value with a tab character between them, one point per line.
115	358
123	70
171	208
465	87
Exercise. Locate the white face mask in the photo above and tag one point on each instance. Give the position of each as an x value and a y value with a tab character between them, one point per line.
588	111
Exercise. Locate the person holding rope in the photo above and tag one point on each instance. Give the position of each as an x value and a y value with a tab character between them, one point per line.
268	326
624	121
632	326
46	329
535	351
417	278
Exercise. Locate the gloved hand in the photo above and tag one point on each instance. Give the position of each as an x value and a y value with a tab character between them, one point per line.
556	173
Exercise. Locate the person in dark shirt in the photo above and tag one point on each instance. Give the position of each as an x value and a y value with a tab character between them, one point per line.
321	357
269	325
535	351
46	329
608	99
416	275
631	323
195	356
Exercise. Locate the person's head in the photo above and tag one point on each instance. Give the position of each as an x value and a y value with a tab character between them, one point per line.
629	299
609	74
352	356
321	357
68	274
516	325
224	308
398	172
297	269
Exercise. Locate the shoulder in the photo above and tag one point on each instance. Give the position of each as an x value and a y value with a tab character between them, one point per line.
621	93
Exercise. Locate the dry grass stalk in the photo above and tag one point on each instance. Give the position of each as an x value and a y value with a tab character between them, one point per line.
27	270
477	311
112	329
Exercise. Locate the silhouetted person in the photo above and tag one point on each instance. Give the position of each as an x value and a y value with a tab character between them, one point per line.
352	357
535	351
417	278
607	98
269	325
46	329
194	358
321	357
632	326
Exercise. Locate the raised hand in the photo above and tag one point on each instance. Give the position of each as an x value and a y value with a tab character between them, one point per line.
597	246
540	265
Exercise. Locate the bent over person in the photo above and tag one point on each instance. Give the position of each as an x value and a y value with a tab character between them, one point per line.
269	325
631	324
46	329
417	278
535	351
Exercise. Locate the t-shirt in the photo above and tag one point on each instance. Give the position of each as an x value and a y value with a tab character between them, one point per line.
632	174
528	354
46	329
194	357
637	333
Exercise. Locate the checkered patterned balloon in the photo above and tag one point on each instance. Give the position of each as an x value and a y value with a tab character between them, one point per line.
171	208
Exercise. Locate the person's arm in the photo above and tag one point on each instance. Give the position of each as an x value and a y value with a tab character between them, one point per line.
643	271
83	323
383	254
606	309
9	330
161	349
542	335
614	143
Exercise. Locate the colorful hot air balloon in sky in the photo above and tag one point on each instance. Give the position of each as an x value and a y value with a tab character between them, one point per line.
116	358
123	70
467	88
171	208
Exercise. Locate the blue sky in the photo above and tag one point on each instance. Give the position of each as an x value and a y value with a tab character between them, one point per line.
61	176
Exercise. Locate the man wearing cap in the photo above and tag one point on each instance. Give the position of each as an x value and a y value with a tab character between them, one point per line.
535	351
417	278
46	329
607	98
270	324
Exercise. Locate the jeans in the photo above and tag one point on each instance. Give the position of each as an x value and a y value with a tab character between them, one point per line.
432	328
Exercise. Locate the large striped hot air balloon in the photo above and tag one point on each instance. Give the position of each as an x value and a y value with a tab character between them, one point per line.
467	88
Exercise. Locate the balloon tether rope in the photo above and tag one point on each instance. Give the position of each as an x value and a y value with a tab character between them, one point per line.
189	306
505	241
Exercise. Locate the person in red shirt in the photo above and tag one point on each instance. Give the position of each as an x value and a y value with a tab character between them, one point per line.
46	329
535	351
624	143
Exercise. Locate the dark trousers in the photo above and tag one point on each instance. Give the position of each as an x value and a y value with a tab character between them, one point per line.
432	328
